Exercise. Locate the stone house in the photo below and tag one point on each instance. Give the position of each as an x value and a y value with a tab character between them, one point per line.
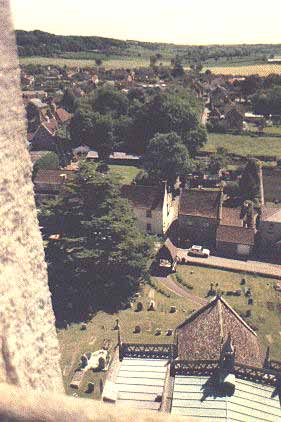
45	136
269	229
233	238
199	215
155	207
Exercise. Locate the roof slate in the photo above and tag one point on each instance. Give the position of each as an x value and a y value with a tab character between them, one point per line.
199	203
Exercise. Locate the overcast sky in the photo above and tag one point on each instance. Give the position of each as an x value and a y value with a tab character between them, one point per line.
177	21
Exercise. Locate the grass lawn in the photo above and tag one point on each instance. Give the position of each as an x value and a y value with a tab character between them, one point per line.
244	145
267	323
126	173
74	342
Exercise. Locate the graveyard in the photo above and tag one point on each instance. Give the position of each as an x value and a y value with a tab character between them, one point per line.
154	314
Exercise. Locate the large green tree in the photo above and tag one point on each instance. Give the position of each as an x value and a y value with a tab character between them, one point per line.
268	101
94	130
250	181
166	158
101	256
165	113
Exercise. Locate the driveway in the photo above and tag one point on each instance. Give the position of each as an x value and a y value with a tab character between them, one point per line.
253	267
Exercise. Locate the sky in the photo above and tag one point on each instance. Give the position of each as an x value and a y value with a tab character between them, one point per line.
175	21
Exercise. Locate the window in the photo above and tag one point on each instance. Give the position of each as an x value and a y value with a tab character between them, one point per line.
149	228
148	214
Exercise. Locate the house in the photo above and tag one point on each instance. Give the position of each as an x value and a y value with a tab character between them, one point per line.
45	136
234	238
48	183
61	115
218	97
155	207
269	230
234	241
199	215
167	256
204	333
234	118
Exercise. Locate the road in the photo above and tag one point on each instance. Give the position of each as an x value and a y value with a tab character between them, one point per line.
181	291
252	267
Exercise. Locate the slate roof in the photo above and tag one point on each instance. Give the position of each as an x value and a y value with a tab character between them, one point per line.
147	197
231	216
250	402
238	235
199	203
201	336
140	382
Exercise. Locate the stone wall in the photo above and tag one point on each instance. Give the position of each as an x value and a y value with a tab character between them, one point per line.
29	351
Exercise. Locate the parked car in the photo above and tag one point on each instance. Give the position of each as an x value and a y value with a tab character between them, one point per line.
199	251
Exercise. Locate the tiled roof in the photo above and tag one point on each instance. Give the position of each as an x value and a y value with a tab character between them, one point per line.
238	235
200	203
231	216
51	177
271	214
51	126
62	115
201	336
148	197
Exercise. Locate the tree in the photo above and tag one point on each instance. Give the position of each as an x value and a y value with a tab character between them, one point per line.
250	85
98	62
166	158
250	181
69	101
94	130
109	101
267	102
195	139
164	113
101	255
153	60
218	161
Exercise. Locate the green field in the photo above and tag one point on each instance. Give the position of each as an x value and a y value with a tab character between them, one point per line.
125	173
74	342
244	145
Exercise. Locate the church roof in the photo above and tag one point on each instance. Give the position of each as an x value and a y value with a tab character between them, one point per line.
203	334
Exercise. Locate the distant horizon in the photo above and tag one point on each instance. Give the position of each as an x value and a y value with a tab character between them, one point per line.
150	42
184	22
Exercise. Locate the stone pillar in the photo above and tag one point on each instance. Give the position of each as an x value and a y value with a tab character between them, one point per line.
29	351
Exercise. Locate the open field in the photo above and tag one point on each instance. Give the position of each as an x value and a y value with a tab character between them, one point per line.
118	63
126	173
255	69
267	323
244	145
143	61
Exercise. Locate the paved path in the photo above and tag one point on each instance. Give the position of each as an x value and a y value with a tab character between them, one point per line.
253	267
181	291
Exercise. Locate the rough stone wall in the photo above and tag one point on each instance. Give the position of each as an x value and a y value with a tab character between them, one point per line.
29	352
